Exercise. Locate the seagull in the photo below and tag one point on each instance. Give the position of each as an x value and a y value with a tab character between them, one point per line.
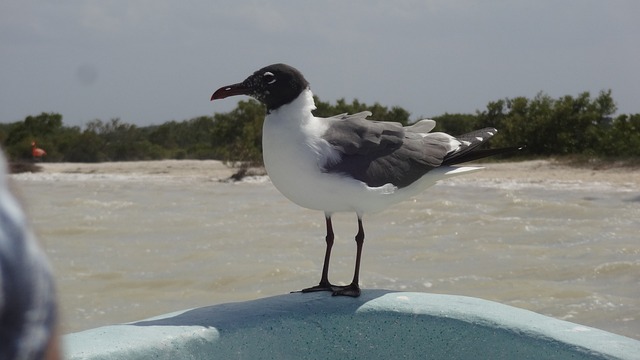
347	163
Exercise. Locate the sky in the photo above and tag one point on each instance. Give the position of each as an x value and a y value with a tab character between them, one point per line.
152	61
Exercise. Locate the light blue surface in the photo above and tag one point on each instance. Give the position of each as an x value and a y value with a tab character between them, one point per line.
378	325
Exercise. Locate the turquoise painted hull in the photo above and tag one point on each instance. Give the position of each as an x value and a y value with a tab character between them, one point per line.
378	325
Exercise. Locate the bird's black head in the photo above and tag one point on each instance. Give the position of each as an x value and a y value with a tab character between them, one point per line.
274	85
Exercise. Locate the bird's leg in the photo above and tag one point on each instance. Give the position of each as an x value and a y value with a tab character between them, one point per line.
353	289
325	285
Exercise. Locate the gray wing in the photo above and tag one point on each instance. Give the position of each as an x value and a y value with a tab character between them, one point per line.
379	153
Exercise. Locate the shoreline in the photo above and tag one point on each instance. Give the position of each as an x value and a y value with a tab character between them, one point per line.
536	171
211	169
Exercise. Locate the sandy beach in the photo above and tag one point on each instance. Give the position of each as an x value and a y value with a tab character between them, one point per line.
535	171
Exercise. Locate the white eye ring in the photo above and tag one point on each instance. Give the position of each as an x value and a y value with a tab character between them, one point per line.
269	73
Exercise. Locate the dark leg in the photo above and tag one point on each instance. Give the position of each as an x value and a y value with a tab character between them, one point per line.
353	289
324	280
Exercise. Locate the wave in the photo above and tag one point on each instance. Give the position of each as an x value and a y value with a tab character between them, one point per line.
510	184
55	177
132	177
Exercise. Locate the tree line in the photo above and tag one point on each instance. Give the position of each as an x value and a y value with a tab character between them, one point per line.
569	125
580	125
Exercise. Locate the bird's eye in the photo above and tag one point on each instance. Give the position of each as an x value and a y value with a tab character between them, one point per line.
269	78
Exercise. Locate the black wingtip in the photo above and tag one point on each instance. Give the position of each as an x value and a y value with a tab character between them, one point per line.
481	154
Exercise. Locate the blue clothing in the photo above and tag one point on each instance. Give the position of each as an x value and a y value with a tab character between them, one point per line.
27	294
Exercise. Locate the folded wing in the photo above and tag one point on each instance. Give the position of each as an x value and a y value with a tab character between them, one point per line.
379	153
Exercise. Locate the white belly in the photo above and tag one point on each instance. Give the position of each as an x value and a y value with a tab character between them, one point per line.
292	165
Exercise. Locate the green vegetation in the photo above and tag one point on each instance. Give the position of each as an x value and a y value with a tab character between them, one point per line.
569	125
581	125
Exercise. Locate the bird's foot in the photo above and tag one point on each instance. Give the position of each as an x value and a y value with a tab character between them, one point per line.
323	286
352	290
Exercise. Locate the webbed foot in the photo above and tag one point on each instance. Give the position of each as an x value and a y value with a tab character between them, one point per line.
352	290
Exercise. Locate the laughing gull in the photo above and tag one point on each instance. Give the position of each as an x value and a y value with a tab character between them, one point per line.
347	163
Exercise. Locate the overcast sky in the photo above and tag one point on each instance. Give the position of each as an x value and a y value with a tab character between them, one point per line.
151	61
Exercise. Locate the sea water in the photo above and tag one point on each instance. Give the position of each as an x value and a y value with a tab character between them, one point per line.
126	247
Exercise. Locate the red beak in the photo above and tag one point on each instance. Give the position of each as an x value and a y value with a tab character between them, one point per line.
230	90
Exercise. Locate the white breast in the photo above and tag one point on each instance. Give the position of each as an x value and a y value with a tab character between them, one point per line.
294	154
